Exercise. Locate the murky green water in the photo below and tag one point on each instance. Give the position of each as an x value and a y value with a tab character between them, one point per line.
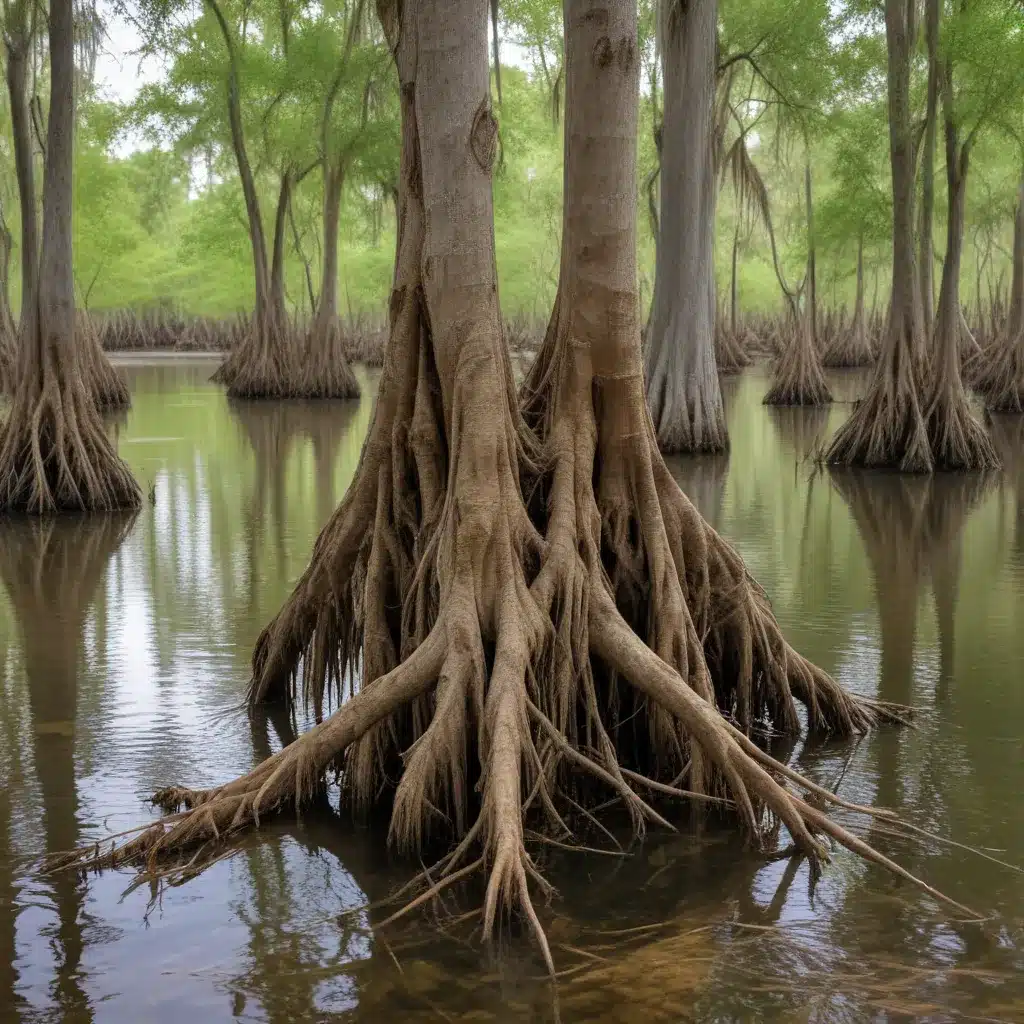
124	651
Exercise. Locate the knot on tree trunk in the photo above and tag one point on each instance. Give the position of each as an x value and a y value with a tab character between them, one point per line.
484	136
603	52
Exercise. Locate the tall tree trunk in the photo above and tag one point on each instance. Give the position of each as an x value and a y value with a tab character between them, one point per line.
1016	321
852	346
928	167
957	438
326	372
732	278
257	237
18	48
812	258
334	180
887	426
683	389
54	453
277	285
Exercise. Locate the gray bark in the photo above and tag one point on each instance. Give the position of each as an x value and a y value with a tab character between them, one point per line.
56	285
1017	283
904	307
18	45
257	236
928	168
683	389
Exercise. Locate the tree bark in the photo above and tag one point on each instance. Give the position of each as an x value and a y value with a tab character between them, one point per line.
683	388
18	49
928	168
887	426
732	279
958	440
1017	284
812	258
277	284
334	180
257	237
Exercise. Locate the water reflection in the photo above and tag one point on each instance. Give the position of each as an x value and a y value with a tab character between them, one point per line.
51	571
687	926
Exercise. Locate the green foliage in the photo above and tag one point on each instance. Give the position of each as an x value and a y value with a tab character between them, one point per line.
166	224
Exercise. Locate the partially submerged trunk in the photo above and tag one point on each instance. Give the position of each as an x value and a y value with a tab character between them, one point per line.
263	364
731	342
54	453
102	381
956	437
326	371
683	389
798	377
887	426
521	658
852	346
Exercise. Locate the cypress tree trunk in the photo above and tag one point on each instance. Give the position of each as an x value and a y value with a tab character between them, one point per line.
278	304
18	43
928	167
262	364
1016	321
54	454
812	257
683	389
887	426
852	346
798	377
956	437
326	370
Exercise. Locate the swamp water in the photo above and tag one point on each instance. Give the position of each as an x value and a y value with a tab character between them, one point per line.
124	653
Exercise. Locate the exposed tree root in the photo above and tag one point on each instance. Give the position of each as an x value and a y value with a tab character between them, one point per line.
798	378
54	453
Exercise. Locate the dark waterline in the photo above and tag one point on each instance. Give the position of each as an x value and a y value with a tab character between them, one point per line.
124	650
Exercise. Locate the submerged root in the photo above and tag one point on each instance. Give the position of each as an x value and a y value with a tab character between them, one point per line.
55	455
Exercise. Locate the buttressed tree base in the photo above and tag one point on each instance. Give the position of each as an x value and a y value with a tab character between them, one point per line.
529	615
